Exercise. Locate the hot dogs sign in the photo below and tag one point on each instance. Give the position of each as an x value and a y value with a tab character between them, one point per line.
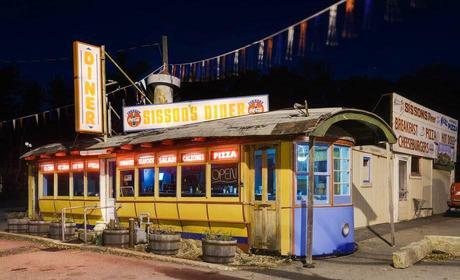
423	132
167	115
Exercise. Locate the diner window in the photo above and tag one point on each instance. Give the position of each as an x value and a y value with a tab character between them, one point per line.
146	181
48	184
127	183
63	184
194	180
167	177
341	174
224	180
366	170
78	183
271	172
415	166
258	175
93	183
321	175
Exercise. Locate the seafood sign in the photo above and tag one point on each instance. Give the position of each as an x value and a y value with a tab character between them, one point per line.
422	131
144	117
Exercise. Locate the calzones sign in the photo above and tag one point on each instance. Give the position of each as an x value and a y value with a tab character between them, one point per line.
423	132
143	117
88	88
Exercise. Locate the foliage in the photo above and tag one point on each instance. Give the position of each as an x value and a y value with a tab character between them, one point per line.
57	219
114	225
36	217
163	229
218	235
98	239
16	215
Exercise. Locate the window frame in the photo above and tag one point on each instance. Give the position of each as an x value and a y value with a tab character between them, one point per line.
367	169
417	173
350	179
316	202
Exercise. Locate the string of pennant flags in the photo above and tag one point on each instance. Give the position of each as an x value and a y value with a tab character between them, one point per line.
292	42
43	116
275	49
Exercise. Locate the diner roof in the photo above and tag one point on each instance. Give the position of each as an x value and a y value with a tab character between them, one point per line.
364	127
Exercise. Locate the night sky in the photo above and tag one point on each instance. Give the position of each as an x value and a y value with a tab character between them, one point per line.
197	29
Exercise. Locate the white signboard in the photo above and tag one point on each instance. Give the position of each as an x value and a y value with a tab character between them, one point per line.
173	114
423	132
88	88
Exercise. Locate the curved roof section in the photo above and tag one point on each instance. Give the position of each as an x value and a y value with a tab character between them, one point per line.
365	127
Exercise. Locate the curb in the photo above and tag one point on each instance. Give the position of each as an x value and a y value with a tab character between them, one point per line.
113	251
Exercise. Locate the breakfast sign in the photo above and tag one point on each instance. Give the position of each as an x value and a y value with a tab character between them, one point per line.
144	117
423	132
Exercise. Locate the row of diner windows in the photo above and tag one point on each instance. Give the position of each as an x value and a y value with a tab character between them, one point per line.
224	181
138	175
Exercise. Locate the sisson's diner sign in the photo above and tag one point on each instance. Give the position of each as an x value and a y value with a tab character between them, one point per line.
143	117
423	132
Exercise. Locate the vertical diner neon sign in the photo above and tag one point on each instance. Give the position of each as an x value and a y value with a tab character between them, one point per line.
88	88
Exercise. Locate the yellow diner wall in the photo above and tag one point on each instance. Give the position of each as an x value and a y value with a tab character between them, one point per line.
285	196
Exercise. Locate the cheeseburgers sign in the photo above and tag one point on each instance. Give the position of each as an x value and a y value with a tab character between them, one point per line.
137	118
88	88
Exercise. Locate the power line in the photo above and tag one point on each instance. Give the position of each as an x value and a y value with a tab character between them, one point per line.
61	59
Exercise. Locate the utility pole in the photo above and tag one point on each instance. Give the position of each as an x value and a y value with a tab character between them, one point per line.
311	186
161	86
391	198
164	44
104	97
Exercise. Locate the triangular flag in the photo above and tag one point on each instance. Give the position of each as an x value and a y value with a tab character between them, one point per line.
290	42
368	12
302	38
218	68
242	60
235	64
269	51
349	27
332	28
260	57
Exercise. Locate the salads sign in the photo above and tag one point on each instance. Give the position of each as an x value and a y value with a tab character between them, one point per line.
144	117
423	132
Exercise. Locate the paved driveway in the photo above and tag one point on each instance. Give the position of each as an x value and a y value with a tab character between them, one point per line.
25	260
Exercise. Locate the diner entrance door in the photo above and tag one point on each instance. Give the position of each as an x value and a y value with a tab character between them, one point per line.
264	222
110	188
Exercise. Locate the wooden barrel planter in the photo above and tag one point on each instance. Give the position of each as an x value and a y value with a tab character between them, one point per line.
55	230
115	238
164	244
16	225
217	251
39	228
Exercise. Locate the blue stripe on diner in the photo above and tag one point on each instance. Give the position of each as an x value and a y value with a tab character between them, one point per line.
81	226
190	235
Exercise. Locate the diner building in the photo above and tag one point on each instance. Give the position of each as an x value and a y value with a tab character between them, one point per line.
245	175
